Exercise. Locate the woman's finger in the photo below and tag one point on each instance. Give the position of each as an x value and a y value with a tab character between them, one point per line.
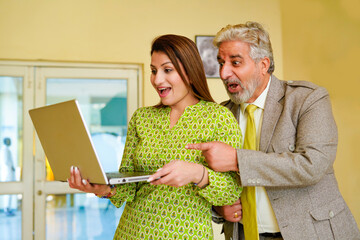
72	174
78	179
160	173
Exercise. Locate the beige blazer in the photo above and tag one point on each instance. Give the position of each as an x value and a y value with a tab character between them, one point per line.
295	163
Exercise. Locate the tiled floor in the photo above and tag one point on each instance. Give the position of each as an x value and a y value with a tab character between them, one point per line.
93	222
74	223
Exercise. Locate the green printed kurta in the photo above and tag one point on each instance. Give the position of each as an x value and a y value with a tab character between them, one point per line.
165	212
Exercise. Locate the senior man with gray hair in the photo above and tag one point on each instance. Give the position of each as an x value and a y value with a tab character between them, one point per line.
286	166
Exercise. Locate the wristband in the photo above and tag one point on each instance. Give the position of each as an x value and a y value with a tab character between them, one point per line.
201	177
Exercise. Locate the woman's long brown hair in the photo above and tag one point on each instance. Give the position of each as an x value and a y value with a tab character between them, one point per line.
182	49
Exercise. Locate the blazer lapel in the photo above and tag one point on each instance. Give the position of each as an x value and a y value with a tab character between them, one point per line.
272	111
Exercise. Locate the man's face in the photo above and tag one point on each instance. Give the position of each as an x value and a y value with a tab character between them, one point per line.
241	75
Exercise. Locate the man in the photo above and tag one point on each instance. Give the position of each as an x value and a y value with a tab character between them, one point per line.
289	168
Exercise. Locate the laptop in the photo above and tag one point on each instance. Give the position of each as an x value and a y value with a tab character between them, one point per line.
66	141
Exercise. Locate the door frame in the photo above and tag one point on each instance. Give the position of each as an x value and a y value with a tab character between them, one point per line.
25	185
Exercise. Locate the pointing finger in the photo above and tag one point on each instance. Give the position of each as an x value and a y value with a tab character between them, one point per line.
198	146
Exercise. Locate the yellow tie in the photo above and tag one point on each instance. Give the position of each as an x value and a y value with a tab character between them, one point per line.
248	200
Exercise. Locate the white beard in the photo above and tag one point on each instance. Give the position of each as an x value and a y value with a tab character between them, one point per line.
247	92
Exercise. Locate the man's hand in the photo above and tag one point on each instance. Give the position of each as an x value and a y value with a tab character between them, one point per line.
220	156
231	213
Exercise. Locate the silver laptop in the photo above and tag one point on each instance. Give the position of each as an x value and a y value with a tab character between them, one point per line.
66	142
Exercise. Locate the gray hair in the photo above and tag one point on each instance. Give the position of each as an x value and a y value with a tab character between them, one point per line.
252	33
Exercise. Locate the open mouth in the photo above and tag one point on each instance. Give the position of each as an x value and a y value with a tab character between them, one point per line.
233	87
163	92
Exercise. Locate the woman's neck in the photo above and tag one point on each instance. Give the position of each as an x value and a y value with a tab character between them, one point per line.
178	110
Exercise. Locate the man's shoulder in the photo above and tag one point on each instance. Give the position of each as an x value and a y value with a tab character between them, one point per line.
301	84
304	88
298	93
298	88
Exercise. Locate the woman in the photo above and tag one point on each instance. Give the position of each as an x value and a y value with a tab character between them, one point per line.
176	206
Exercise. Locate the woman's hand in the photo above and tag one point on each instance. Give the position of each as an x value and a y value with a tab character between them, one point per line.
76	181
180	173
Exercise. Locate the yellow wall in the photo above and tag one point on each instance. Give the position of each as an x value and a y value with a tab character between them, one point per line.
121	30
315	41
321	43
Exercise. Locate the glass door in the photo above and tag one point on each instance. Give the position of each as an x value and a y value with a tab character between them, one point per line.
32	205
107	98
16	158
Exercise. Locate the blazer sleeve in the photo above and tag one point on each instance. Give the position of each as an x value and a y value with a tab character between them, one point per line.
302	148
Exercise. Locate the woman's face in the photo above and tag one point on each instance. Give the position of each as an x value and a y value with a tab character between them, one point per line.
168	83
